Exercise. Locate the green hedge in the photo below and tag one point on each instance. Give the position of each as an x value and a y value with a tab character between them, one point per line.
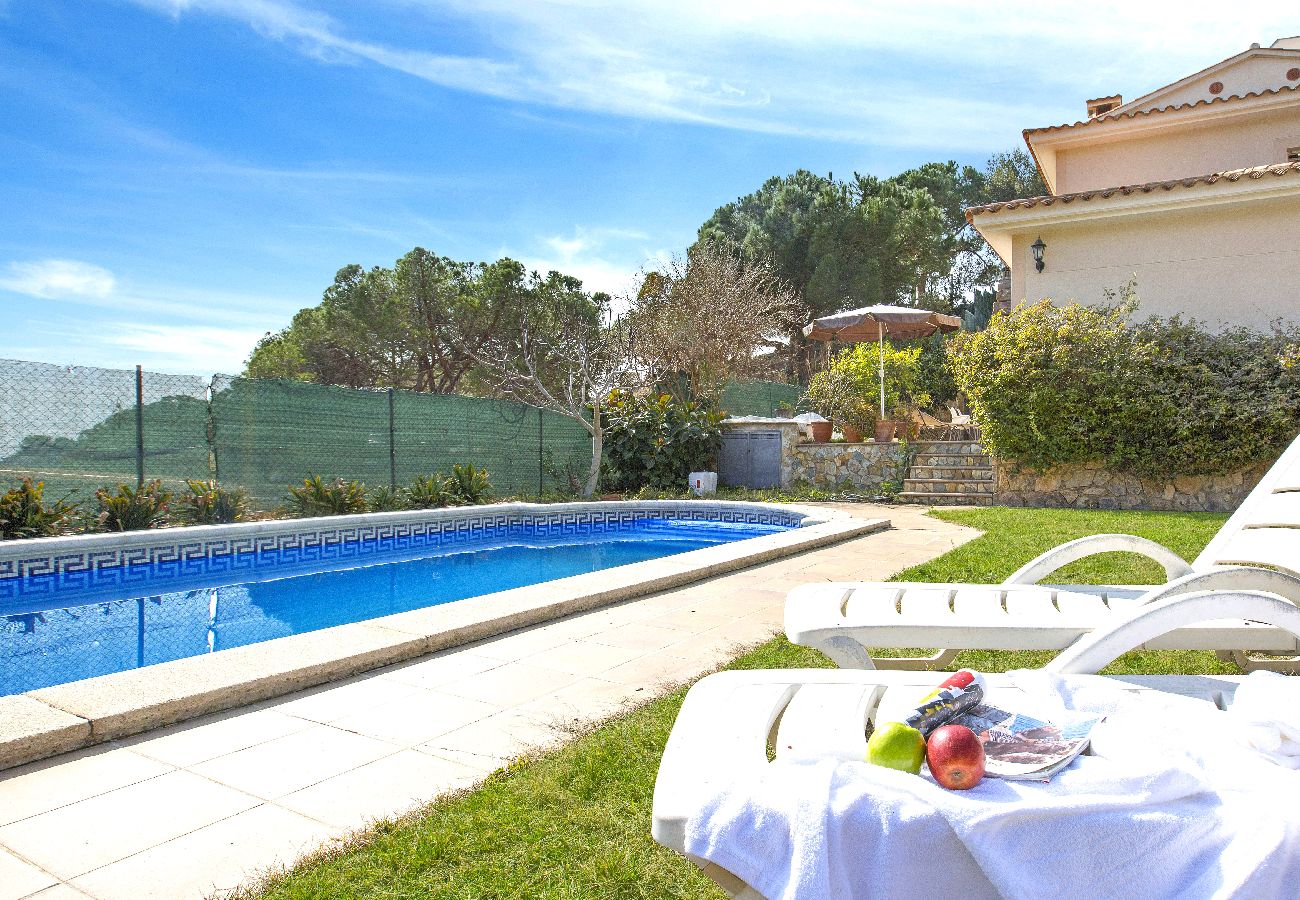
657	441
1053	385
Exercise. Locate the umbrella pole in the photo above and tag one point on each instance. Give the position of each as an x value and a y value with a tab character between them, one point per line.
881	326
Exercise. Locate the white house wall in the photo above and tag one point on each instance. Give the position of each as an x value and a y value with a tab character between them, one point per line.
1215	146
1238	263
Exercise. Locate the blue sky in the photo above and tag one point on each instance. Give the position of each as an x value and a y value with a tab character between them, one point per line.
180	176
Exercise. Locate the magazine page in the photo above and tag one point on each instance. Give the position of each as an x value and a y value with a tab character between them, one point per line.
1018	747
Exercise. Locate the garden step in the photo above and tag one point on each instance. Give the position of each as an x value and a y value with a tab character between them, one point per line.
953	473
948	486
946	499
952	461
944	448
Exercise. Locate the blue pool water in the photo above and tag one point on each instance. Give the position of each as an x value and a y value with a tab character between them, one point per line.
56	629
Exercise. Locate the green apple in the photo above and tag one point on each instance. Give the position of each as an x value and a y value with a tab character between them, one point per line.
896	745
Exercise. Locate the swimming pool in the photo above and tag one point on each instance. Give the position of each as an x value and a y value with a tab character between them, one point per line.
66	622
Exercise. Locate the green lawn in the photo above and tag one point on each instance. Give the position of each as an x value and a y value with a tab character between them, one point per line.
575	822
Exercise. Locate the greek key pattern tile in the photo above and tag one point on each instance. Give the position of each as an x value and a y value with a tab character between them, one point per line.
331	545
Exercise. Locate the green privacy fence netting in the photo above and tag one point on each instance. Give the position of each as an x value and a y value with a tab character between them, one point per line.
759	398
78	428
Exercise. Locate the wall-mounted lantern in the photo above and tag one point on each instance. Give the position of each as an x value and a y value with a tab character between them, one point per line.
1037	248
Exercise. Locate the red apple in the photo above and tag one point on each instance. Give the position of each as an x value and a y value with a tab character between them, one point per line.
955	756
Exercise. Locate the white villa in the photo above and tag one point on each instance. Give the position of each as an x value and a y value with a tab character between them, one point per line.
1194	188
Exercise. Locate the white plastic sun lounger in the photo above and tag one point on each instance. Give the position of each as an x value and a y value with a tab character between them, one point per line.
735	721
1258	548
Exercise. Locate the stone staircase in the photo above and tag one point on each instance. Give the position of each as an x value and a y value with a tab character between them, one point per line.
949	473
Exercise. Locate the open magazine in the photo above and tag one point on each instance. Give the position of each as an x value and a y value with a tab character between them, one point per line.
1017	747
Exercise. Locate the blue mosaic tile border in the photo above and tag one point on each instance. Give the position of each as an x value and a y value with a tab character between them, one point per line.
336	540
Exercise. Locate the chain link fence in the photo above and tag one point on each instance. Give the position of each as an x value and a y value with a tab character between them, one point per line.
79	428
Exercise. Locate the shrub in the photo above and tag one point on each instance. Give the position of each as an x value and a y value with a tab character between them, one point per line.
316	497
848	390
933	373
430	492
468	485
657	442
1054	385
386	499
207	503
25	514
131	509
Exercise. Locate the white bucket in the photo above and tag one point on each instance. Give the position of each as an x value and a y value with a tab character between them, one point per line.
704	483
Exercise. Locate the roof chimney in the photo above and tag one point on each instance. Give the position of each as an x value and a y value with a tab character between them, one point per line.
1103	105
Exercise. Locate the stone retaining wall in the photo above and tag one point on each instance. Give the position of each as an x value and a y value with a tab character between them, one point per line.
1090	486
865	466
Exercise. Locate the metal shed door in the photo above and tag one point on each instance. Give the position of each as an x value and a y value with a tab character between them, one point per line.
750	459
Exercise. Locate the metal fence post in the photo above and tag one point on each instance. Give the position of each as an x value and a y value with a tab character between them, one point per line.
540	449
392	444
213	472
139	427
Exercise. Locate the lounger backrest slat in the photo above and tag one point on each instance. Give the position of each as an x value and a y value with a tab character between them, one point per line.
1031	602
1277	547
1073	603
1281	509
927	603
1282	477
827	720
873	600
981	604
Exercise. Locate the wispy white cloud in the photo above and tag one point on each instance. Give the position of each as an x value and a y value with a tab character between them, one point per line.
948	73
116	344
58	279
202	349
605	258
75	282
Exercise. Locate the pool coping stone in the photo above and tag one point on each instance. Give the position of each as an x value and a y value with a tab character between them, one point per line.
58	719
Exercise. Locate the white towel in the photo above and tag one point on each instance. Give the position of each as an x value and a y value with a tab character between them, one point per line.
1175	803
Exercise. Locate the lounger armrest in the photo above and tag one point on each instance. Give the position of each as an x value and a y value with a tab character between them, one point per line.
1041	566
1229	578
1093	651
812	614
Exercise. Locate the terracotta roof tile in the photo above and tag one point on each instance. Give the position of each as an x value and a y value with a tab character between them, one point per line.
1112	117
1253	173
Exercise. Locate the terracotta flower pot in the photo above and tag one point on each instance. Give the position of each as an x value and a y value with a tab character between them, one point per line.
851	434
884	431
821	431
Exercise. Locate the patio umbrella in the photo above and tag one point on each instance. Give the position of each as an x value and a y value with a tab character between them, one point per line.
874	322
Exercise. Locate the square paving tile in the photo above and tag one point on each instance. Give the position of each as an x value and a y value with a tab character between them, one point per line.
490	743
293	762
694	618
387	787
510	684
40	787
581	703
334	701
212	736
209	860
58	892
518	644
440	668
582	657
708	648
19	878
75	839
415	718
655	672
639	636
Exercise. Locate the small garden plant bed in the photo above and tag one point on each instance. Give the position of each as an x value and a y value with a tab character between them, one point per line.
575	822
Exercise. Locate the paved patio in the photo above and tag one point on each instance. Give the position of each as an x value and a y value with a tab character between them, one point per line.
198	808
